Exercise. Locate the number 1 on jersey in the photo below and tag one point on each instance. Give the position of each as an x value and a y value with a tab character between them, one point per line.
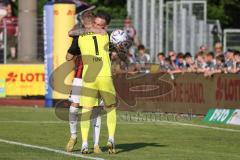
96	45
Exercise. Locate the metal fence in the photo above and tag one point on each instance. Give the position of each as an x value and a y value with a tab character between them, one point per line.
231	39
4	38
148	19
179	25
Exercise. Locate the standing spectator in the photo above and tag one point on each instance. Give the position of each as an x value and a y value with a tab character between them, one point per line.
218	49
203	49
181	62
200	63
229	64
168	65
173	58
220	60
3	11
210	63
236	62
130	30
10	22
142	58
190	65
161	60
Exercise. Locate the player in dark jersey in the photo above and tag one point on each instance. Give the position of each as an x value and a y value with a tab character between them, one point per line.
75	93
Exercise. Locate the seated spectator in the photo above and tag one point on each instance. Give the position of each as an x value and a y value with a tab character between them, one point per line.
190	65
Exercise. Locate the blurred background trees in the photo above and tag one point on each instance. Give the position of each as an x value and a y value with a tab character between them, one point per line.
227	11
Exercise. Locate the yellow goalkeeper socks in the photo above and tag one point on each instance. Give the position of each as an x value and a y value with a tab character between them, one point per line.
111	122
85	124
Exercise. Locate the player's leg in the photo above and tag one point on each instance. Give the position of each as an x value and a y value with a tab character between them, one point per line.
73	113
85	126
96	122
73	118
89	99
108	94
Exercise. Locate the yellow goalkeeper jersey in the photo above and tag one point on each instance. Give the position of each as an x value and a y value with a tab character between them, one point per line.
94	49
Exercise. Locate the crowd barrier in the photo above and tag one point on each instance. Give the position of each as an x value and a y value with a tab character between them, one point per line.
185	93
160	92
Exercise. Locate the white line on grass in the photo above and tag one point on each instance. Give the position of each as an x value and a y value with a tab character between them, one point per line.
36	122
130	123
203	126
49	149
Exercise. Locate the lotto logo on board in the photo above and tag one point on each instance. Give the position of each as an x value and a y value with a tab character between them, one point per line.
25	77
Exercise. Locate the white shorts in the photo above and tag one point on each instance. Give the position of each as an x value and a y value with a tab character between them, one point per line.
75	92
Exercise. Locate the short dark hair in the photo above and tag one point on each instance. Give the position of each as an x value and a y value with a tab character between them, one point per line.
105	16
180	55
236	53
210	54
188	55
221	58
141	47
161	54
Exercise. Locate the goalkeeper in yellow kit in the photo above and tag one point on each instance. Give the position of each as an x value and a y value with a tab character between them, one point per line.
97	78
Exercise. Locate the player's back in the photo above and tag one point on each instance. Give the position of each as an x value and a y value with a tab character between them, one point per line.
95	54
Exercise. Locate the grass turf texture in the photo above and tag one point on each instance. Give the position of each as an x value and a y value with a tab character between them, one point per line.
135	140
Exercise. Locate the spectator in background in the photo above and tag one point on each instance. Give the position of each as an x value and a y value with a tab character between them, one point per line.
143	58
173	58
220	61
3	11
168	66
161	60
190	65
218	49
210	63
130	30
200	63
10	22
203	49
229	64
236	68
181	62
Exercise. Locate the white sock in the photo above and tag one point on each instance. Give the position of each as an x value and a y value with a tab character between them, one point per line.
73	118
111	139
85	145
96	125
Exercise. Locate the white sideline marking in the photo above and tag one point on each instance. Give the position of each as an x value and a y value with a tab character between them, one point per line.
140	123
49	149
202	126
35	122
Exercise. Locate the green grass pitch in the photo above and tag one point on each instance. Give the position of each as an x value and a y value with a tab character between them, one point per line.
135	140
